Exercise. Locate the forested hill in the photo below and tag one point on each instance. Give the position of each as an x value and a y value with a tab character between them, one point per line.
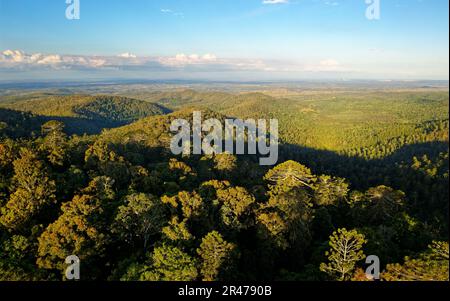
421	154
131	210
154	131
242	105
87	114
16	124
131	213
344	121
112	108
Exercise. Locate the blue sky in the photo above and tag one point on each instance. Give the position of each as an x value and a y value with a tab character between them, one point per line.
224	39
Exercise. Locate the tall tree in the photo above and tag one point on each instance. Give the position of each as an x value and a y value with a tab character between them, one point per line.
237	204
432	265
142	216
217	257
377	205
81	230
33	191
290	174
345	251
55	142
330	191
168	264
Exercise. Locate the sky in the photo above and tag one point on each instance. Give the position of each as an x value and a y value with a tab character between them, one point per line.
224	39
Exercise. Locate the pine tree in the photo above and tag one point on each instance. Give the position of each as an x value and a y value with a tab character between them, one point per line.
432	265
345	252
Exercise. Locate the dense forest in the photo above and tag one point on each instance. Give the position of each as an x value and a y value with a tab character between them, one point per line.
80	113
360	173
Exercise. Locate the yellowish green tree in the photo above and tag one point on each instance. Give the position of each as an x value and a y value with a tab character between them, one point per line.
170	264
217	256
142	216
345	252
34	190
433	265
54	142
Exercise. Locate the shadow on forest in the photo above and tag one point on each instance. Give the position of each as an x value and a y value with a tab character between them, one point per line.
427	196
79	126
24	124
361	172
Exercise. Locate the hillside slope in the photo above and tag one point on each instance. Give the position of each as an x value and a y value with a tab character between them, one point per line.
88	114
330	121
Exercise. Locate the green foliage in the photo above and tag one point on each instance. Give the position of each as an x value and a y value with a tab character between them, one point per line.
177	231
286	217
236	207
345	252
378	205
79	230
225	164
330	191
376	162
81	113
439	250
432	265
16	124
140	218
170	264
33	191
217	257
191	204
290	174
54	143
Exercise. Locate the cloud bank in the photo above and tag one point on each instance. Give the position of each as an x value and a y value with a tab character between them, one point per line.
20	65
19	60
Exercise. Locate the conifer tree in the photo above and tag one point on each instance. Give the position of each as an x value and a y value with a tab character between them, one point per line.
345	251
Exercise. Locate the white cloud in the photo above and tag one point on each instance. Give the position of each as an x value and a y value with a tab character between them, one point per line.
275	1
21	61
209	57
16	56
183	59
17	59
49	60
127	55
97	63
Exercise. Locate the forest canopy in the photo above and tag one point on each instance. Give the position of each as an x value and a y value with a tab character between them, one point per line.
342	190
